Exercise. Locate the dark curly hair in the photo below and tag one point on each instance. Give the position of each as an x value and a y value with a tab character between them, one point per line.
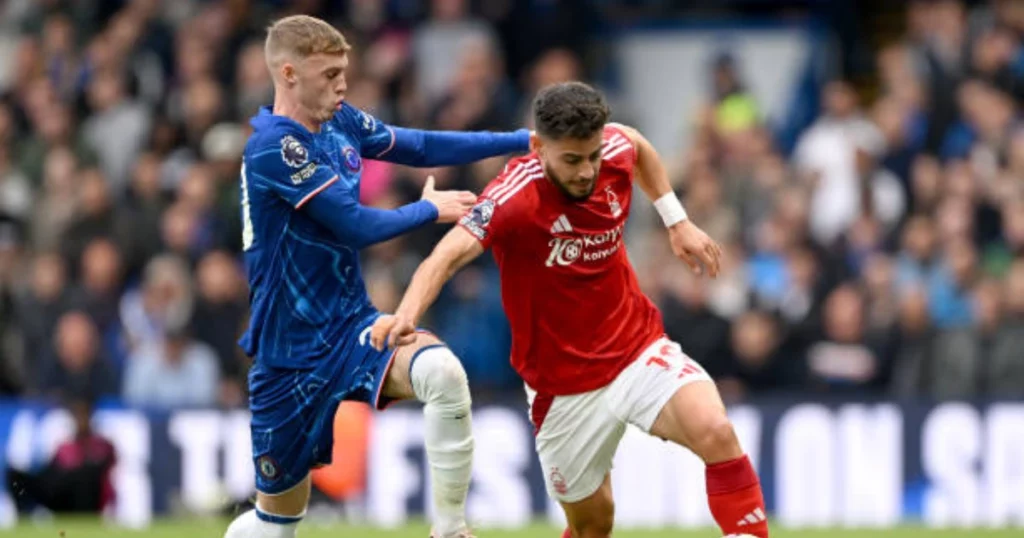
570	110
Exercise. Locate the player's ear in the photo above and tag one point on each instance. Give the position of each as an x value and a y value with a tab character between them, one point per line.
535	142
288	73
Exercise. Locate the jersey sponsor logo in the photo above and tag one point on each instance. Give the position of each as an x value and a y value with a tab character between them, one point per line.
478	218
293	152
589	247
304	174
351	158
564	251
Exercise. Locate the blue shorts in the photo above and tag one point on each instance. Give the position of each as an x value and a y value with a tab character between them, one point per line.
293	410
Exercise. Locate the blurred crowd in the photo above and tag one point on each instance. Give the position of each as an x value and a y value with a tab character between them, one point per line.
883	255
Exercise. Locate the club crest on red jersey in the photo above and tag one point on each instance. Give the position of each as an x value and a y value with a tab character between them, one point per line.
613	202
558	482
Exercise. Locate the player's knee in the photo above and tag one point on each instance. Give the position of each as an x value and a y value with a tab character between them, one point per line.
598	525
716	439
594	516
438	377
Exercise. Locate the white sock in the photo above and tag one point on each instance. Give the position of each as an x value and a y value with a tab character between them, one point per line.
440	383
262	525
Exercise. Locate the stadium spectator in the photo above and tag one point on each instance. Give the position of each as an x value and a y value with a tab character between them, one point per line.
117	127
79	367
99	293
12	357
177	372
219	318
78	477
38	310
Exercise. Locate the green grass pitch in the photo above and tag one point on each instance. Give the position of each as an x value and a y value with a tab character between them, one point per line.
84	528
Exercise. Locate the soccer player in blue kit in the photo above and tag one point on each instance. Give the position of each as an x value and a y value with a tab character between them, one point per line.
310	319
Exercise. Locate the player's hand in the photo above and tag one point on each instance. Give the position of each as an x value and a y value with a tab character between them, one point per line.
391	332
693	246
451	205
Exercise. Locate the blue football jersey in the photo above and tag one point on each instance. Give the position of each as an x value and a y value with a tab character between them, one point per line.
306	288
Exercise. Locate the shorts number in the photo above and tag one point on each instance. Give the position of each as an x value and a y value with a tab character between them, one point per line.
247	235
689	366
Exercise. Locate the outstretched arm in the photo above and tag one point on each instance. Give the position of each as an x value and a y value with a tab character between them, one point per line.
359	226
689	243
413	147
453	252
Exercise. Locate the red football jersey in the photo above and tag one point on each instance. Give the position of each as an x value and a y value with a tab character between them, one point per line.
573	302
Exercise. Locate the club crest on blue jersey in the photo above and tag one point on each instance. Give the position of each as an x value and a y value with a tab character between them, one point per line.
351	158
267	467
293	152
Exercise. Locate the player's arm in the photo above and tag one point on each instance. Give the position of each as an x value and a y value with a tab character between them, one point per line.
359	226
689	242
291	170
453	252
650	173
414	147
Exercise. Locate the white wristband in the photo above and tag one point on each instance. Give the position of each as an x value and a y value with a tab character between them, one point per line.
670	209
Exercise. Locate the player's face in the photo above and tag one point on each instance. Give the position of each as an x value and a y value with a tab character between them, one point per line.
571	164
321	84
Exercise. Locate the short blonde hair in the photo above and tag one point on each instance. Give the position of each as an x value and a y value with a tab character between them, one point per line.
301	36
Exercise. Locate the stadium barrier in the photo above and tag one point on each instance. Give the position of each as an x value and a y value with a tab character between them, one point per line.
858	464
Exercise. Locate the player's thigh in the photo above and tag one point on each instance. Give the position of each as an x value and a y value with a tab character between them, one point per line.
696	418
594	516
397	381
669	395
686	407
291	502
576	440
291	422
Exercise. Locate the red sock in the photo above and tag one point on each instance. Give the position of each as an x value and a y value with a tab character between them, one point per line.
734	496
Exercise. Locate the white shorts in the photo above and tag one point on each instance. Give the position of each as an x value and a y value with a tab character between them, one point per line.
578	435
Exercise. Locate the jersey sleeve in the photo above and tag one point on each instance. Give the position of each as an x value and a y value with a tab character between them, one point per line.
375	137
291	168
618	150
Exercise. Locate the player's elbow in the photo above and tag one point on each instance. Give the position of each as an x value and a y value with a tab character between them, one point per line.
411	148
440	264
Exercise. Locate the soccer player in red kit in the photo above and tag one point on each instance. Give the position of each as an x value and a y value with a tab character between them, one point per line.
588	343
